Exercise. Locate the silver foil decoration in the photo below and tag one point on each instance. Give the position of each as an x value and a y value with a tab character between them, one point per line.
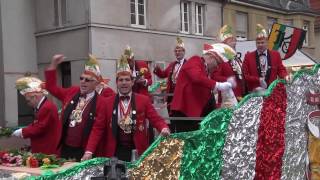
239	152
296	136
86	174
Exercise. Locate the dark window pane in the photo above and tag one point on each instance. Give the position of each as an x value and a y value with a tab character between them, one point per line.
200	29
140	2
132	8
185	7
186	27
141	20
140	9
133	19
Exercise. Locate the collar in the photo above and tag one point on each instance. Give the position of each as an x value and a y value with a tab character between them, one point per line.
181	61
264	52
130	93
90	95
40	102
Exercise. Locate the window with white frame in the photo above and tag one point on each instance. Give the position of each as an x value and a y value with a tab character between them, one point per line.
241	25
60	12
271	21
306	28
138	13
199	19
185	16
288	22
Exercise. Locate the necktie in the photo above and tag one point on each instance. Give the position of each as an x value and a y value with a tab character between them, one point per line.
83	96
123	98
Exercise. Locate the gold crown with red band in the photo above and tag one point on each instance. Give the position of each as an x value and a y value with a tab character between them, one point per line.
220	50
225	32
261	32
30	84
92	68
123	66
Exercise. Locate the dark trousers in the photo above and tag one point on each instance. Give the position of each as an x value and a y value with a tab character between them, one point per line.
182	125
123	153
69	152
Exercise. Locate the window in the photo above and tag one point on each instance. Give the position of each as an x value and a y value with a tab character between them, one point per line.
138	13
199	18
60	12
185	15
65	74
241	25
306	28
25	112
288	22
271	21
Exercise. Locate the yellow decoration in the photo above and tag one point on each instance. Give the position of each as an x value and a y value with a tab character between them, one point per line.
163	163
46	161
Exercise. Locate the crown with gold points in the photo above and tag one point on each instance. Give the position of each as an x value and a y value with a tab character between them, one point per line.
128	52
261	32
123	65
180	43
92	67
30	84
225	32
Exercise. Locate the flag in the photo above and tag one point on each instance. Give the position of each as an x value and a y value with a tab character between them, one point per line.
286	39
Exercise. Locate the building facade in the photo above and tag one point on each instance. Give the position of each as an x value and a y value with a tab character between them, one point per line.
315	5
243	15
34	30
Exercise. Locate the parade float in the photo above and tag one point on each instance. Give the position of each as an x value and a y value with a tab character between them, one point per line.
266	135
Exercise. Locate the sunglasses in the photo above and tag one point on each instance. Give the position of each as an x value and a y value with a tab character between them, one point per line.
86	79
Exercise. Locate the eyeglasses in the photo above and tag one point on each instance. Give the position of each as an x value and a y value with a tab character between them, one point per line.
86	79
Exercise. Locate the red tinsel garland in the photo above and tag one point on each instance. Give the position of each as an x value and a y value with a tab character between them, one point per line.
271	132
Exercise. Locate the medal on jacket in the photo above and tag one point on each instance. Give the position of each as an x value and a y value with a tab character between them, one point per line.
125	123
76	114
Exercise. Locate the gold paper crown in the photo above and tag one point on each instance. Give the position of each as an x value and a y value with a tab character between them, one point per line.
261	32
220	50
180	43
123	65
128	52
225	32
91	67
30	84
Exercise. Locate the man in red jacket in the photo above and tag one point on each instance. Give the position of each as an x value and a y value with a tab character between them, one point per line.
125	128
81	107
193	95
230	71
44	132
140	72
262	66
172	71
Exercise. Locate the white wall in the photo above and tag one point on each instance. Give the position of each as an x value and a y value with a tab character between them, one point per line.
19	49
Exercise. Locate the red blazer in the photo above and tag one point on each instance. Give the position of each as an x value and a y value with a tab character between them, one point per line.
141	88
193	88
250	70
222	73
65	95
166	74
102	129
107	92
44	132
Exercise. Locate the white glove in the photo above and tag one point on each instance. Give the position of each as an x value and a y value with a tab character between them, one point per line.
223	86
17	133
263	83
232	81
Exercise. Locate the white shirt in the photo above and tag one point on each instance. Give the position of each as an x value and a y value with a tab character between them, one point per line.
177	69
